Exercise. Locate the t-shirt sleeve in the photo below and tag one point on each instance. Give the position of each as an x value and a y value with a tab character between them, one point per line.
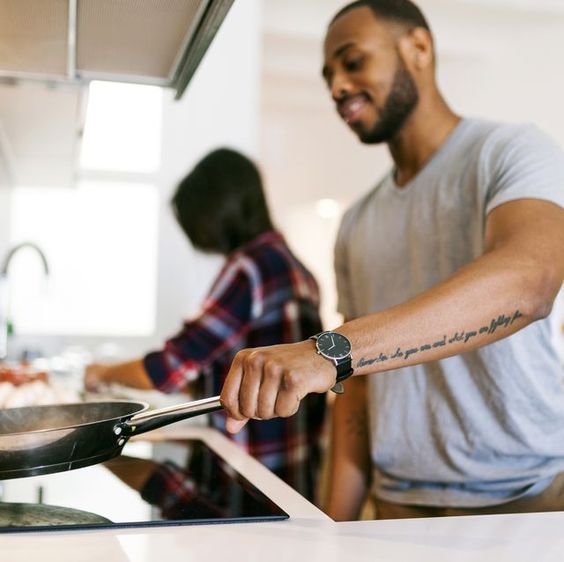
342	274
523	163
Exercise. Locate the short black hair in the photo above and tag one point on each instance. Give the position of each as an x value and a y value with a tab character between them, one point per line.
220	205
403	12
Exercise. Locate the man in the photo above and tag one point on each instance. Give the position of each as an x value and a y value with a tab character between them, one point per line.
446	271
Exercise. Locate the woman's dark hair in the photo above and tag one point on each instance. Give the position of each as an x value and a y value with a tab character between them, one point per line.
401	11
220	204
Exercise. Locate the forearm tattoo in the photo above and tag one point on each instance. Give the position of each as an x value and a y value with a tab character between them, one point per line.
501	322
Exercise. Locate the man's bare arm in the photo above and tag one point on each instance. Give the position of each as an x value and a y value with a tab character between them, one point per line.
512	284
349	462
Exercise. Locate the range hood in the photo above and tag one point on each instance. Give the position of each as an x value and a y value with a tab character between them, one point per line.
158	42
51	49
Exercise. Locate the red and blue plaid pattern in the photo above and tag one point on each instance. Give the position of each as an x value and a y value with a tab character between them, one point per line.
262	296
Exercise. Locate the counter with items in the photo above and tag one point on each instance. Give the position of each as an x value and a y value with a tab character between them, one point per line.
128	498
24	385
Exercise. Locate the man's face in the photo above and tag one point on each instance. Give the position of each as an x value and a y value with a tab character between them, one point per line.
372	88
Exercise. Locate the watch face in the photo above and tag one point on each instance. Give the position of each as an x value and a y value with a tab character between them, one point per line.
333	345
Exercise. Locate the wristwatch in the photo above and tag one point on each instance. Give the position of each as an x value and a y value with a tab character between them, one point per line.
336	348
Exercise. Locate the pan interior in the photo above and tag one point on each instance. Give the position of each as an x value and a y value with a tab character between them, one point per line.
44	418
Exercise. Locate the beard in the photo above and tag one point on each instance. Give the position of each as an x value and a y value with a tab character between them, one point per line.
400	103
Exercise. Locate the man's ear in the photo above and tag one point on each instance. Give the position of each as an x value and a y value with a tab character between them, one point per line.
416	48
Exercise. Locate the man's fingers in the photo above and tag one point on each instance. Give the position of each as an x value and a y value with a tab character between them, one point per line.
234	426
289	396
252	368
269	389
230	391
268	382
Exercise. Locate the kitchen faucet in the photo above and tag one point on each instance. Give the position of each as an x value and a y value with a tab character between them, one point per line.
4	321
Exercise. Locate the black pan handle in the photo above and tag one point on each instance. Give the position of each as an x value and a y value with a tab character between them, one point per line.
153	419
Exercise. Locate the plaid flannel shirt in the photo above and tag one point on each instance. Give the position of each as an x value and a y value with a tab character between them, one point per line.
262	296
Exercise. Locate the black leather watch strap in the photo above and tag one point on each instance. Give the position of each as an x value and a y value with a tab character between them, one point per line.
344	370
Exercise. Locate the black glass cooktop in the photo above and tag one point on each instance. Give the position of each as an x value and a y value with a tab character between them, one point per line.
168	483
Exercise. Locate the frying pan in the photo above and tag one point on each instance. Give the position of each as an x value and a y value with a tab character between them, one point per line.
45	439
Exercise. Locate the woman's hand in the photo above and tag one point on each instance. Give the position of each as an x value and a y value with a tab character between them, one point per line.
268	382
130	373
94	376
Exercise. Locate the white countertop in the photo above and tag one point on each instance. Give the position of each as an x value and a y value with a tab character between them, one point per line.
307	536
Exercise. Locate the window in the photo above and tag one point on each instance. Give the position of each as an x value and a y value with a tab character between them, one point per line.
122	130
101	244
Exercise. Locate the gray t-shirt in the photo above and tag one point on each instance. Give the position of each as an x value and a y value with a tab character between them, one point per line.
486	426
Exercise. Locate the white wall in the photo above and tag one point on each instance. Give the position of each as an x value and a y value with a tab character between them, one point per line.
4	221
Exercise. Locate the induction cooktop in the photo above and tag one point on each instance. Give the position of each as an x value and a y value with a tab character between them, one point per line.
164	483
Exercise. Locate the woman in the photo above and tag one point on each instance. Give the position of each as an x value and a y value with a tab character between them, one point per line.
262	296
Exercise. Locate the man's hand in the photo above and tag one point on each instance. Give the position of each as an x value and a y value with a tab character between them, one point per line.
269	382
